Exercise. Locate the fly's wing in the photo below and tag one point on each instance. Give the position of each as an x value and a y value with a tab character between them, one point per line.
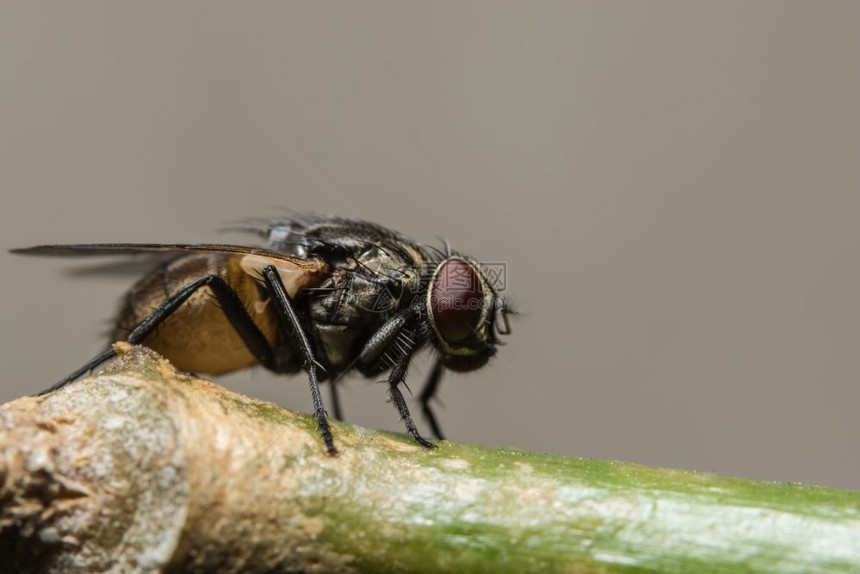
296	273
91	249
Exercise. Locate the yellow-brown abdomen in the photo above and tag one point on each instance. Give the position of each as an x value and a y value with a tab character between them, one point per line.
197	336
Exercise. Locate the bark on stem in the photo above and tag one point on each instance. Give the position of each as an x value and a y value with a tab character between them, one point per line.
144	469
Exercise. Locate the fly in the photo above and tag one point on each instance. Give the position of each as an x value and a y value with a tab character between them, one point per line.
329	295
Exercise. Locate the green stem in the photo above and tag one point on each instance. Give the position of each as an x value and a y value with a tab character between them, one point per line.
467	509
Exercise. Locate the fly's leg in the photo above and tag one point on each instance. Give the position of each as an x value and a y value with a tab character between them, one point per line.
427	394
290	322
378	342
335	399
230	304
398	373
91	364
383	339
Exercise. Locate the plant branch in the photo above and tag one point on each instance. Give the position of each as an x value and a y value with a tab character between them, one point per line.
144	469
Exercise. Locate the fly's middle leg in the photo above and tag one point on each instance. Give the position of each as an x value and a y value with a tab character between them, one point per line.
290	322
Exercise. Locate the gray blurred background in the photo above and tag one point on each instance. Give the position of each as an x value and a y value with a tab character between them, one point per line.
675	187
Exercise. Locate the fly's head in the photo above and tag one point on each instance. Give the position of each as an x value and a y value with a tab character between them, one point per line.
465	313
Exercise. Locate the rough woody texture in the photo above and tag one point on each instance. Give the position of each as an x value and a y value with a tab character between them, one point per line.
144	469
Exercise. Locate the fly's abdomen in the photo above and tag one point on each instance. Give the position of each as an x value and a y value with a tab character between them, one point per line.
197	337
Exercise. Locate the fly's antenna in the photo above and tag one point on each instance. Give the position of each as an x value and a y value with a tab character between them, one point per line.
502	311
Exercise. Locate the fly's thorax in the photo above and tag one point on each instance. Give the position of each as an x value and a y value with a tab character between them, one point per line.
396	266
368	285
360	295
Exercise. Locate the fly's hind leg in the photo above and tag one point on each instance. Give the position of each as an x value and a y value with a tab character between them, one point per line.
91	364
230	304
289	321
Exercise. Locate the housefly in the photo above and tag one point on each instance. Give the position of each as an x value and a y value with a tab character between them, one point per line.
328	295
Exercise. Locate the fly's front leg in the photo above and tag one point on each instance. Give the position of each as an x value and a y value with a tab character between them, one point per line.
398	373
290	322
230	304
383	339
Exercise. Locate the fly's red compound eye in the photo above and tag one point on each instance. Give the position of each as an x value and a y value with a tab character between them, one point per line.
456	297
